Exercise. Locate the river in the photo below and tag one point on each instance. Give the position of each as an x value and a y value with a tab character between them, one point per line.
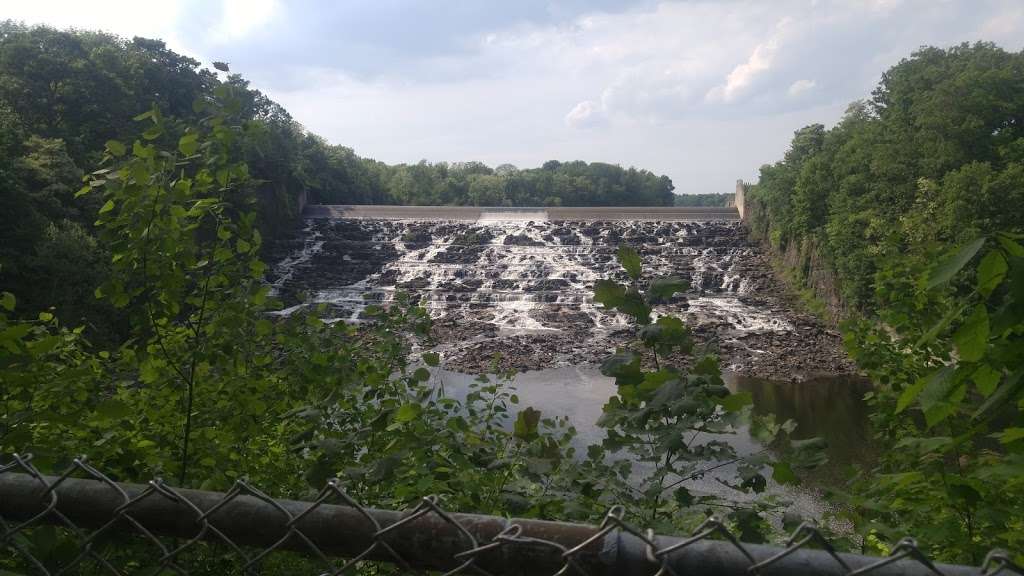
828	407
515	288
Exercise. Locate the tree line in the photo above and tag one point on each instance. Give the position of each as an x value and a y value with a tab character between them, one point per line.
341	177
913	206
65	93
934	158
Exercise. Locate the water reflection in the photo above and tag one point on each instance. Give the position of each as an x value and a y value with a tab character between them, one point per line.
831	407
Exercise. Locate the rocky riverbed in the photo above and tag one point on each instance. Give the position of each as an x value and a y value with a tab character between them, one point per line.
521	290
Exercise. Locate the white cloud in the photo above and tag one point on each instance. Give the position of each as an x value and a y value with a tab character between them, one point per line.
126	18
633	87
1004	26
800	86
239	18
583	115
743	75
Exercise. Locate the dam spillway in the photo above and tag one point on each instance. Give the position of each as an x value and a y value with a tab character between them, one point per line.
556	213
518	281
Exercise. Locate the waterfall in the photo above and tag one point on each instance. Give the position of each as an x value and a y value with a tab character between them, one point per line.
518	271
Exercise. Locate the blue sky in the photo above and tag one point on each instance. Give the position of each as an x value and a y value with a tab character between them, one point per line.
704	91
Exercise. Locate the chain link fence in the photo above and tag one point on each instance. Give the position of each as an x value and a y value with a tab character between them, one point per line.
118	528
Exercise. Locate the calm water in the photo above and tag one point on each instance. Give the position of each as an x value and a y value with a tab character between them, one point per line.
831	408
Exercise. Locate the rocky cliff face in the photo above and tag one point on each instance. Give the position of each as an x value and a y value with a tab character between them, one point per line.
523	288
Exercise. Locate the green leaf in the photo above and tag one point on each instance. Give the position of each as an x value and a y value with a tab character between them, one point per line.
630	261
107	207
116	148
421	374
264	327
986	378
960	489
938	387
408	412
940	325
45	316
525	427
661	289
737	401
624	367
667	334
188	144
947	407
113	409
683	497
909	394
634	306
991	272
609	293
1010	435
1003	395
1012	248
7	300
927	445
783	473
972	337
708	366
149	372
809	453
143	151
432	359
945	271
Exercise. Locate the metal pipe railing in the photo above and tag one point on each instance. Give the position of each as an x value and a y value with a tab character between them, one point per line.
426	537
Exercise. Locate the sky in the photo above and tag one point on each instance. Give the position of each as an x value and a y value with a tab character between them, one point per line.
703	91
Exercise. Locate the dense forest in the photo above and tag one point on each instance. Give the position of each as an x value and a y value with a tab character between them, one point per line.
65	93
877	217
934	158
711	199
341	177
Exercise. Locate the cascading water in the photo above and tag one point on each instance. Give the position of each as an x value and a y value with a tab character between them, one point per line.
521	285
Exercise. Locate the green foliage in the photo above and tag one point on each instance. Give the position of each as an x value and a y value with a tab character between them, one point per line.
212	387
346	178
933	159
666	426
904	197
949	397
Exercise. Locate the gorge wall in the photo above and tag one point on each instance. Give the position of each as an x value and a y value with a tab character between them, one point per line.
800	263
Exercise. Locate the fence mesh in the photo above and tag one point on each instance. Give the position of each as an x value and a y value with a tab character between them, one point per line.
114	528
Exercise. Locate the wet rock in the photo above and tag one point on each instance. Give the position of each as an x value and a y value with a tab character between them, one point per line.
534	306
520	240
